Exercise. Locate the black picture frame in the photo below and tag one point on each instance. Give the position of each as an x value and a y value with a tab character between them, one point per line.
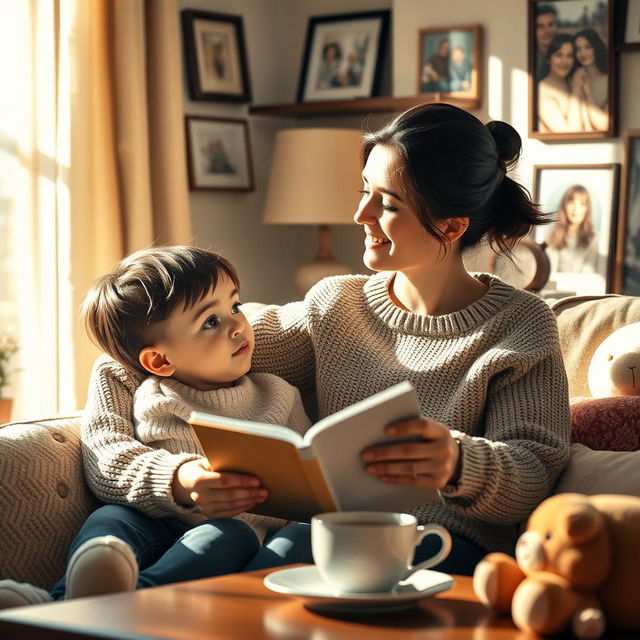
218	154
565	102
357	43
627	269
215	56
627	36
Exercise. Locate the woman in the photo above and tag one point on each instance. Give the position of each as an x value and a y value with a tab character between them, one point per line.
558	106
590	81
572	240
483	356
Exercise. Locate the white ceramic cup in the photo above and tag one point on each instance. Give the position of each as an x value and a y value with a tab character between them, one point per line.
370	551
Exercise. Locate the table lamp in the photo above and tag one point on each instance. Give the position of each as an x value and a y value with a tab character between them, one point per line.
315	177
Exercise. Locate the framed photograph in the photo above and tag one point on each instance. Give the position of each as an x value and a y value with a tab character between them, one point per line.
627	272
580	238
218	154
449	62
215	57
628	25
343	56
572	75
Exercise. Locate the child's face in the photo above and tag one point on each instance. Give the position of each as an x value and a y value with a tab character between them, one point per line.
210	344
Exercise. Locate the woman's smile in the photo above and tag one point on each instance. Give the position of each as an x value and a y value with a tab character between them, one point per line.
374	241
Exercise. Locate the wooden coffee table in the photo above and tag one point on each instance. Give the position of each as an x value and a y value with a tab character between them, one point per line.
240	606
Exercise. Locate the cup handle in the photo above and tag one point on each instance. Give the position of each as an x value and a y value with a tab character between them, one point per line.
445	549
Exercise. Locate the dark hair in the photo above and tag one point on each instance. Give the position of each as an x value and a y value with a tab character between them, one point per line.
557	237
332	45
452	165
120	308
554	46
599	48
542	9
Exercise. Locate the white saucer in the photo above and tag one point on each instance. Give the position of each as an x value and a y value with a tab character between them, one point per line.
306	582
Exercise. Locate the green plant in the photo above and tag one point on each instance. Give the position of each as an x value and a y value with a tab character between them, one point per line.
8	347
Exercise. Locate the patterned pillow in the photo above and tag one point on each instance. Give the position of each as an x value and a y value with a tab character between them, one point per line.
607	424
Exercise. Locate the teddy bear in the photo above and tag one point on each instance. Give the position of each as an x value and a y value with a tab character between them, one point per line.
577	567
614	369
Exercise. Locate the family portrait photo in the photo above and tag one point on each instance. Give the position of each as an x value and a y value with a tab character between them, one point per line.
218	154
448	61
628	254
580	238
570	69
343	56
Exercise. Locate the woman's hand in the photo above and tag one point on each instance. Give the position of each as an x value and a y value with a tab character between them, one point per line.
578	81
218	495
432	461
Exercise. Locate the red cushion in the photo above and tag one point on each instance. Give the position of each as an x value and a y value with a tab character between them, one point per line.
607	424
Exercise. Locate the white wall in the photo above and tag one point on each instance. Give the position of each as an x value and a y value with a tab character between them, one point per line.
267	256
506	86
275	31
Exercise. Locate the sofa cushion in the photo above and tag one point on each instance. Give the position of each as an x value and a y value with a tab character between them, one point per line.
592	472
44	498
611	424
584	322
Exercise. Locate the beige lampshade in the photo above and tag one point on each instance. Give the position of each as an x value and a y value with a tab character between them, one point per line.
315	177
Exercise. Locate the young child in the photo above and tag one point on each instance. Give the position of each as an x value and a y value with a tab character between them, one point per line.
170	320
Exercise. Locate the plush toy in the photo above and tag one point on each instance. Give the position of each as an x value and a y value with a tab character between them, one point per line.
577	567
615	365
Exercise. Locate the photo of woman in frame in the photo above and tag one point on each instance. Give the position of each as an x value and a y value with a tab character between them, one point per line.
570	69
581	201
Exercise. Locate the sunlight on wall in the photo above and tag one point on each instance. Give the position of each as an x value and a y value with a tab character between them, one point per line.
496	90
519	116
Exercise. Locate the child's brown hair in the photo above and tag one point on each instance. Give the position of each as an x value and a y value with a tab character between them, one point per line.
122	307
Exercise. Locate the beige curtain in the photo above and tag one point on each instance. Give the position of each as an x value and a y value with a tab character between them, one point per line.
93	153
128	180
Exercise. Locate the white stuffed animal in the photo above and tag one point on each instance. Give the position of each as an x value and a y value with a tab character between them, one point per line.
615	366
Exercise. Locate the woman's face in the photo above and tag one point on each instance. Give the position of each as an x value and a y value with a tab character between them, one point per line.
577	208
584	51
561	62
395	240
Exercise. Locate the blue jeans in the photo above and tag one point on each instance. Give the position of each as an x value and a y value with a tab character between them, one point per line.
293	544
169	550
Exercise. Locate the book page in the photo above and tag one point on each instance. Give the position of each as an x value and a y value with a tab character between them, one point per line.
338	440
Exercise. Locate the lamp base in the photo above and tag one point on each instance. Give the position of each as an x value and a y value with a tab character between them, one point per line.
324	265
312	272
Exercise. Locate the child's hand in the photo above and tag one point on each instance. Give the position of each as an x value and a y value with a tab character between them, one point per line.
218	495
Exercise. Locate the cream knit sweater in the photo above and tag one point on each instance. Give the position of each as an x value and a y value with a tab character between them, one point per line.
492	372
135	465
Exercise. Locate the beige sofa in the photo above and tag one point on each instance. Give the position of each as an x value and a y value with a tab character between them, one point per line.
44	499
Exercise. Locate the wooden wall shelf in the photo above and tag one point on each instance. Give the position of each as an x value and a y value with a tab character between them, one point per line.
356	106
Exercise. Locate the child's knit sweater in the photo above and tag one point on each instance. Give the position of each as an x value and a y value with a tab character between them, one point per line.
133	461
492	372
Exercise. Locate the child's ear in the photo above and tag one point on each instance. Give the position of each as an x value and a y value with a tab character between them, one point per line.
155	362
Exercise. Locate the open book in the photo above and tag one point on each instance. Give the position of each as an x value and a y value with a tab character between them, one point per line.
323	470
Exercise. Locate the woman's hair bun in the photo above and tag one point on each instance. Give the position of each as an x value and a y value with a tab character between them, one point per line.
507	141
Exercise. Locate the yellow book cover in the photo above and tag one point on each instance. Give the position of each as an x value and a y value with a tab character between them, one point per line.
321	471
